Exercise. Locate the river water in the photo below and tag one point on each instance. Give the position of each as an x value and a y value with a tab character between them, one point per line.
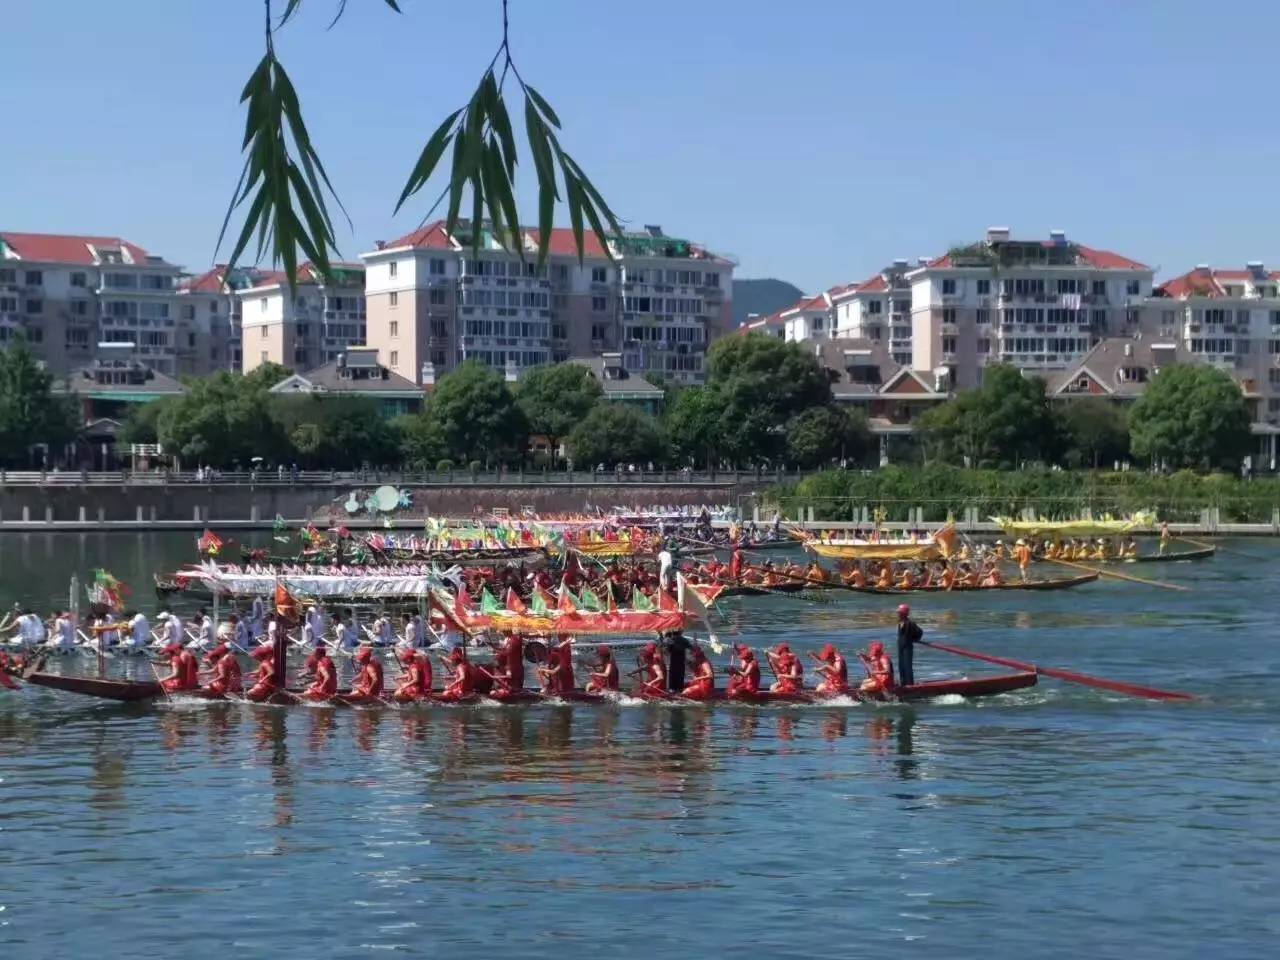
1059	821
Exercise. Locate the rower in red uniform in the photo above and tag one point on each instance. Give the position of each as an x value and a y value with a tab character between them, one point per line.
605	677
325	684
184	670
735	565
463	683
368	682
786	666
549	672
879	682
744	678
703	684
512	663
653	672
4	673
226	672
565	682
415	676
265	675
313	660
835	673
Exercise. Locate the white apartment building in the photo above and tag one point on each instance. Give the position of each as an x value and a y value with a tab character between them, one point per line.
435	300
1037	304
209	302
75	297
878	310
306	327
811	318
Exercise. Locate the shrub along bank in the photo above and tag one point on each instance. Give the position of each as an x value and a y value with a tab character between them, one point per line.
943	491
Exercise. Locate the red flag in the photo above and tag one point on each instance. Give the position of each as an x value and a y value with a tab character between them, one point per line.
666	601
514	602
462	605
210	543
286	605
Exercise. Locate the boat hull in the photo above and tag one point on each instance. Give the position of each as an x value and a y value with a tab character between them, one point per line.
133	691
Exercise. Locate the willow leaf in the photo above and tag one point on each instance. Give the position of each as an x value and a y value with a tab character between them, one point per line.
430	156
539	147
543	106
477	211
289	11
501	122
250	221
546	219
575	200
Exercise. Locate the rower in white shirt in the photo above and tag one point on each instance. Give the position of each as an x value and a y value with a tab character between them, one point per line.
345	634
63	638
204	639
315	616
29	630
139	635
241	633
383	631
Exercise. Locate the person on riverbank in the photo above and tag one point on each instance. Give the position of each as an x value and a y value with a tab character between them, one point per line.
909	634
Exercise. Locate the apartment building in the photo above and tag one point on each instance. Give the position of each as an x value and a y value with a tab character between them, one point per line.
1229	318
306	327
1037	304
438	299
209	303
878	310
76	297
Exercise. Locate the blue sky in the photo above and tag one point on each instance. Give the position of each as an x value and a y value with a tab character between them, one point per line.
815	140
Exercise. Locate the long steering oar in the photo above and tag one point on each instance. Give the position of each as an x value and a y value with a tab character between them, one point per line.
1221	549
1124	576
1131	689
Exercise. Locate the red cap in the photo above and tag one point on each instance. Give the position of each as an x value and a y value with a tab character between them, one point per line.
782	648
604	651
215	653
457	656
828	653
876	648
406	654
904	610
262	652
745	652
363	655
172	648
650	650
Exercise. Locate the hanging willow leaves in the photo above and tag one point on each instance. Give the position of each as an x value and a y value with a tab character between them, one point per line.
284	175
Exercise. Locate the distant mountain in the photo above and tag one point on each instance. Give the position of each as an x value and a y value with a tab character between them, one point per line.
762	296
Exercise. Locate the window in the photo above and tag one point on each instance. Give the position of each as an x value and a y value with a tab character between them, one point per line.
597	332
437	268
1099	288
188	311
949	315
213	308
1066	285
599	304
713	279
79	280
438	296
395	358
1273	377
1100	319
395	328
984	345
559	331
948	344
35	334
8	275
1029	286
983	315
35	306
262	305
394	298
948	288
393	267
984	288
80	308
263	332
1273	347
77	337
874	306
264	356
35	278
1133	288
599	275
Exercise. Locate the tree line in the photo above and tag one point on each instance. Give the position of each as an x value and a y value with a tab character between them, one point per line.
764	402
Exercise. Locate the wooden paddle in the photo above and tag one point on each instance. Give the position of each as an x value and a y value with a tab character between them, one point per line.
1123	576
1221	549
156	674
1130	689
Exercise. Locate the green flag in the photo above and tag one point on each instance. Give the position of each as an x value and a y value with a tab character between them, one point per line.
589	600
539	603
488	603
640	602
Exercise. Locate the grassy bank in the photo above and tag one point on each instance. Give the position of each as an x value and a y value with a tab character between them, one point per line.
941	491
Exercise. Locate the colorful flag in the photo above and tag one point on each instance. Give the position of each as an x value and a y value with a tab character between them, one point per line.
567	602
539	604
514	603
640	602
488	603
210	543
590	601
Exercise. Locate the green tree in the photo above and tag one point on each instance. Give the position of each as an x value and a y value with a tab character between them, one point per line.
1002	423
222	420
1094	430
30	413
265	376
614	433
761	383
1191	416
421	442
476	415
336	432
820	435
693	425
142	423
556	398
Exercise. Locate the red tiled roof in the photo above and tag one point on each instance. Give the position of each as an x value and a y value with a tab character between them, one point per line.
562	243
874	284
432	237
1206	282
66	248
208	282
1106	260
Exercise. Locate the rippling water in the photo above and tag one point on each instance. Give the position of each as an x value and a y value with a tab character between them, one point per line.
1060	821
